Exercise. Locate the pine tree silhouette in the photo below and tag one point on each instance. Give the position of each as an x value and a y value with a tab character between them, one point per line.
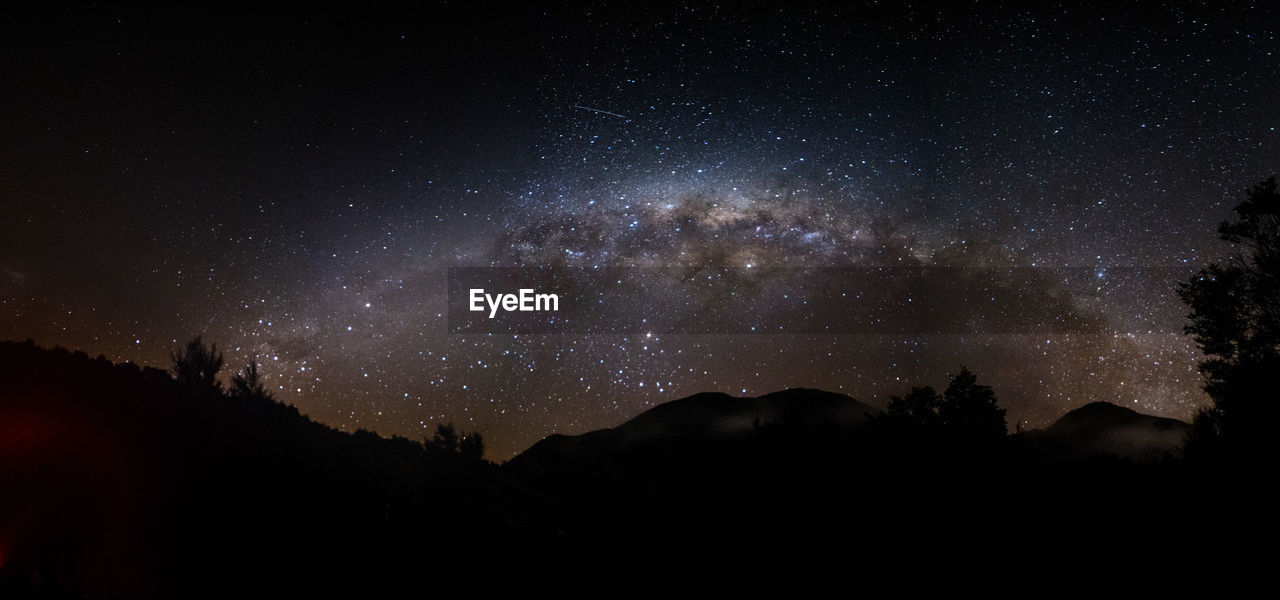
197	364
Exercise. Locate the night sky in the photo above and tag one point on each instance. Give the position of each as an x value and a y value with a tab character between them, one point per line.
296	186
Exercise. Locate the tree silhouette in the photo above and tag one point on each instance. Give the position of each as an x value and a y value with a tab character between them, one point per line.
965	408
472	446
1235	319
971	408
197	364
919	407
445	438
248	383
450	439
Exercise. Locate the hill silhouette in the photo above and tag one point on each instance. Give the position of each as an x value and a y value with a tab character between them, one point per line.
1105	429
120	481
700	420
1098	429
776	470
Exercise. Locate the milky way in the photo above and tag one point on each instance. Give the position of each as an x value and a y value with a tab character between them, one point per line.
297	188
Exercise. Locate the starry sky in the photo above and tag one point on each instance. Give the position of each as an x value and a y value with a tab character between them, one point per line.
296	186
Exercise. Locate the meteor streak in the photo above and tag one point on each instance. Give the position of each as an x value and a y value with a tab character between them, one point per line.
601	111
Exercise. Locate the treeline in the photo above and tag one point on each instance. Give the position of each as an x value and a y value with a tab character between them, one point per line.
128	481
197	366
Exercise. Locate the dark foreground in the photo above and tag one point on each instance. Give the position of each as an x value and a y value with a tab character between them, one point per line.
121	482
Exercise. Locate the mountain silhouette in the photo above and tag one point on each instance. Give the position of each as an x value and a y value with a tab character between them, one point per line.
713	473
121	481
700	420
1105	429
1096	429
